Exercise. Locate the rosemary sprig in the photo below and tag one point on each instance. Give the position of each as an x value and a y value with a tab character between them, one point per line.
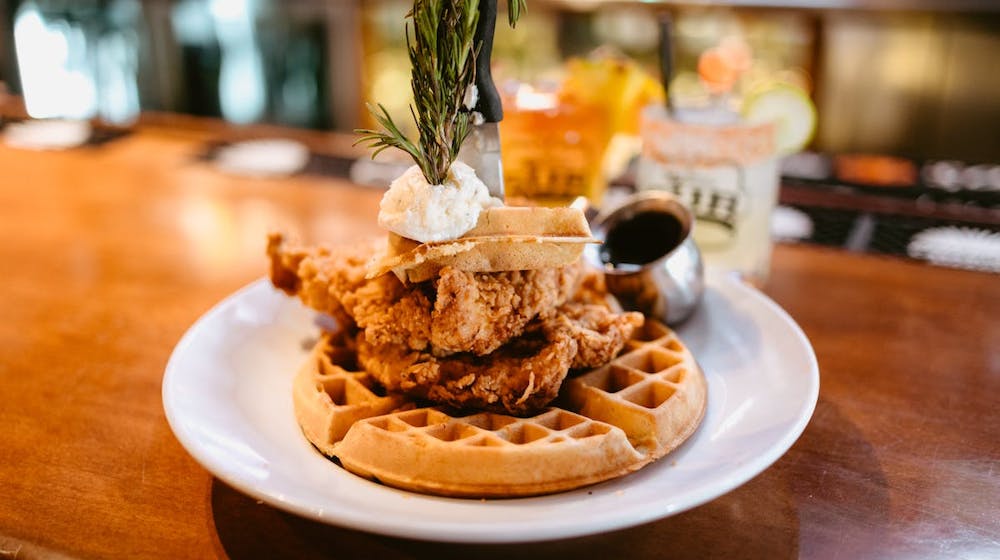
443	55
444	66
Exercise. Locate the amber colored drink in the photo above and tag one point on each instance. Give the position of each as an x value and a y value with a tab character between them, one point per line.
553	150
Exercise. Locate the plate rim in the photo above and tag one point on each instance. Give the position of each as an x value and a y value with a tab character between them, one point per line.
445	532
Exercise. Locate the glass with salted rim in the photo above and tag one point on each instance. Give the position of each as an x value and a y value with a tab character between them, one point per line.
726	171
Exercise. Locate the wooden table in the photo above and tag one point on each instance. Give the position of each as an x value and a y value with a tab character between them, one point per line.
110	253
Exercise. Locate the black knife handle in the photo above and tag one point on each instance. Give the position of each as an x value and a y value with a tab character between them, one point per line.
489	98
666	25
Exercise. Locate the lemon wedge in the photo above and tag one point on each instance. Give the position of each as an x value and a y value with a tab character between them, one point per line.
791	111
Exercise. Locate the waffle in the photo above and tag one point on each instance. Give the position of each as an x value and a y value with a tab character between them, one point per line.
654	391
330	394
606	423
545	237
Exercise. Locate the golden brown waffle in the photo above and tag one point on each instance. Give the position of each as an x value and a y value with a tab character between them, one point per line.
330	395
506	238
486	455
610	421
654	391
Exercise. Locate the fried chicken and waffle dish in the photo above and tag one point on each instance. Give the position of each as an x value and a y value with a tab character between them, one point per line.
495	364
499	341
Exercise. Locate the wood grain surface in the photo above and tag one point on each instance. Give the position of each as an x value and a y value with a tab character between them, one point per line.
110	253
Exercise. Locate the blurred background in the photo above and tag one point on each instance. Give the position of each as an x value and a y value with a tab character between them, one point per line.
907	93
915	78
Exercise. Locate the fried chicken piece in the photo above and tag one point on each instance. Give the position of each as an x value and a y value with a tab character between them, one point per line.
518	378
333	281
480	312
599	332
319	276
594	290
391	312
457	312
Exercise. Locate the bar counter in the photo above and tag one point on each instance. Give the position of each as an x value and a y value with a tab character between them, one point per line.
111	252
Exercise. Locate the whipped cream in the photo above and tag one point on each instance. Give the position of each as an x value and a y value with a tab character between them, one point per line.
415	209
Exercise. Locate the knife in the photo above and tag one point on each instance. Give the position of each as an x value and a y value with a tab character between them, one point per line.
481	149
667	57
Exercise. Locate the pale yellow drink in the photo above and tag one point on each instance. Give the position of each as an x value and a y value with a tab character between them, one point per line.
727	173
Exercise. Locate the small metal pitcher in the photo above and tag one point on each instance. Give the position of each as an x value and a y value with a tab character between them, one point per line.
668	288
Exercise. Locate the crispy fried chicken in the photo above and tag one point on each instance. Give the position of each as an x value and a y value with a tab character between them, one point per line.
500	341
519	377
599	332
457	312
480	312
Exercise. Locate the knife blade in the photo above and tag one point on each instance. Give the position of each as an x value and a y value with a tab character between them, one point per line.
481	149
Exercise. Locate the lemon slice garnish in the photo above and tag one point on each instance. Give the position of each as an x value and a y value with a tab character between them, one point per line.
791	111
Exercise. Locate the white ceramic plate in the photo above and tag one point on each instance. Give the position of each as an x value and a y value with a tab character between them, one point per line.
227	396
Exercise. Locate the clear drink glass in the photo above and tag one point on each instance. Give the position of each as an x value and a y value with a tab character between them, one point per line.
726	172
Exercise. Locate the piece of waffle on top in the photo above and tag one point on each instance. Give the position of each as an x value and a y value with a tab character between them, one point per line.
505	238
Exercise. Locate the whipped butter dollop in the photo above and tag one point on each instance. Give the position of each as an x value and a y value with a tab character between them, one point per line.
415	209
